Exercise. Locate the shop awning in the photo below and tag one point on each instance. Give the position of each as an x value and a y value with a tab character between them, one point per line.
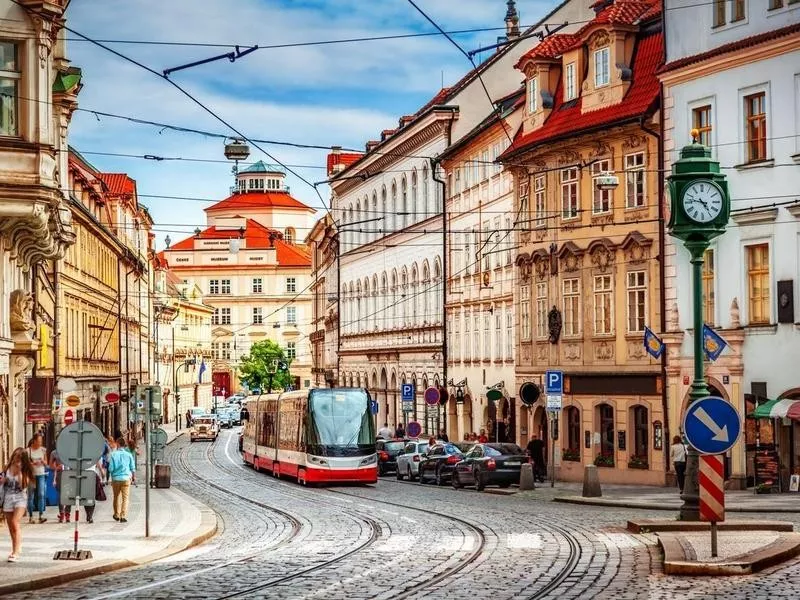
778	409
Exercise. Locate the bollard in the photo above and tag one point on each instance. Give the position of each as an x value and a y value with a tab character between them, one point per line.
526	478
591	482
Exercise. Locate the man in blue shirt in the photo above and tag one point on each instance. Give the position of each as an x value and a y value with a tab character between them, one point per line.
121	468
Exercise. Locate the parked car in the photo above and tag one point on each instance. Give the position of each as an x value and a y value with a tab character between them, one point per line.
224	418
387	455
408	460
236	414
438	463
490	464
205	427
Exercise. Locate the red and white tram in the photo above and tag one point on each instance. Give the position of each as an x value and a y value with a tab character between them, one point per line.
320	435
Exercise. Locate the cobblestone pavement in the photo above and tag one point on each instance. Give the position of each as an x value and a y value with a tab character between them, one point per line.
399	540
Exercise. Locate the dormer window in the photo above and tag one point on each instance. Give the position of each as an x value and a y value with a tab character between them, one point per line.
601	67
570	87
533	95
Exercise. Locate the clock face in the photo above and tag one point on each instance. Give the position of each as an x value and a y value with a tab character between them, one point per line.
702	201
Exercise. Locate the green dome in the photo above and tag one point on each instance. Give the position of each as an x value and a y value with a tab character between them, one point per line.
262	167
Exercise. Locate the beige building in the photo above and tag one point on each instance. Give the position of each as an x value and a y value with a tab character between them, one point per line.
253	272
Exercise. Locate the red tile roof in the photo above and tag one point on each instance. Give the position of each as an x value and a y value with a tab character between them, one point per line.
551	47
621	12
118	183
566	119
343	158
258	200
257	237
747	42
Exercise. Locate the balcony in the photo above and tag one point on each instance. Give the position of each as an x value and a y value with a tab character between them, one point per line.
410	337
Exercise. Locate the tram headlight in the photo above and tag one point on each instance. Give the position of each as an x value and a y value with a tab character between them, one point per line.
319	461
372	459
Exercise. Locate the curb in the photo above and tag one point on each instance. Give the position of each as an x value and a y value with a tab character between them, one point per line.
177	435
207	529
649	506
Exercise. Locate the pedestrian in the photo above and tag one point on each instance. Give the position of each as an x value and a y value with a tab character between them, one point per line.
482	438
131	448
58	467
442	436
121	468
400	432
37	495
677	454
99	492
16	479
188	418
108	448
536	452
384	432
431	442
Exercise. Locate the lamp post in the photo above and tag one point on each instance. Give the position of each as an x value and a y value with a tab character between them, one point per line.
700	208
185	364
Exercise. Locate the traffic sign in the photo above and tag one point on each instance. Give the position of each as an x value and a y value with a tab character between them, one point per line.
712	425
80	445
158	437
112	397
554	382
373	407
413	429
407	396
69	417
432	396
712	488
72	400
77	484
554	402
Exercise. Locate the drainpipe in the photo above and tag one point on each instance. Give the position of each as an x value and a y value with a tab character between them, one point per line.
659	135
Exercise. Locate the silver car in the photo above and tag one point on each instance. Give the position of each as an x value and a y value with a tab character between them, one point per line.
408	459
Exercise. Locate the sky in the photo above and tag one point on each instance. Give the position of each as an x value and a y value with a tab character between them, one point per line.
337	94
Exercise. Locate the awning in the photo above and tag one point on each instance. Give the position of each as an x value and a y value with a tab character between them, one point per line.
778	409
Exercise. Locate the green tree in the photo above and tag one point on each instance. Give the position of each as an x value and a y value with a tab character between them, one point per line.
255	367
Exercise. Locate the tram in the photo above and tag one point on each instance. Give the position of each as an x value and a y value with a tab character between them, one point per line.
319	435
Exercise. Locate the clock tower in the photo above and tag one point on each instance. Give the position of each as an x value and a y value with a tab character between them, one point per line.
700	206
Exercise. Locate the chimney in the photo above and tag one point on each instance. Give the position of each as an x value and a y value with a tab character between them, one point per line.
371	145
512	20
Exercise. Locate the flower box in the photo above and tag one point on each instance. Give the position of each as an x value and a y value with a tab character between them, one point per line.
604	460
571	454
638	462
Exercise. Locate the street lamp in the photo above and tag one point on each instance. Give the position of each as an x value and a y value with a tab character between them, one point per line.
189	362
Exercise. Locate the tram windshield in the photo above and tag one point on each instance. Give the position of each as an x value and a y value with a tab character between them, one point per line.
340	423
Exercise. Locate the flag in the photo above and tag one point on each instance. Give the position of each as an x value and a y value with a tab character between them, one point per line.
713	343
653	343
202	370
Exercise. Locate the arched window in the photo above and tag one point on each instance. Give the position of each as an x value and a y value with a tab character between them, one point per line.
572	421
641	427
414	206
358	305
377	316
427	293
382	297
343	307
414	296
357	228
348	236
393	300
437	291
374	215
404	299
385	224
605	418
425	206
397	219
404	219
289	235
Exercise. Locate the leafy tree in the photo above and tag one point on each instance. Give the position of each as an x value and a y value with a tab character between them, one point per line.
255	367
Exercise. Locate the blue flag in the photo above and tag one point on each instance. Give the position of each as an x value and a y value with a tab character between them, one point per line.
713	343
653	343
202	370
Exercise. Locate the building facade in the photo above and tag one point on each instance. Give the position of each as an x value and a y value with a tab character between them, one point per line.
254	272
588	279
732	74
39	94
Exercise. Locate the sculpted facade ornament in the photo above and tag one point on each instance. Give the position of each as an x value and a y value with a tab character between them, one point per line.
599	40
600	149
735	321
602	254
636	247
21	312
572	352
636	350
603	351
570	257
23	367
634	141
568	157
673	318
554	323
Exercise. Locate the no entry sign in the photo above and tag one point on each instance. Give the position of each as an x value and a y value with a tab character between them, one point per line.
69	417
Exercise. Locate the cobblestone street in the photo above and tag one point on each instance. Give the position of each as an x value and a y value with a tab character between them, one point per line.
400	540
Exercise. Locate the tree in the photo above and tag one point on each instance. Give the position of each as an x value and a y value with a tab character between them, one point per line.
256	366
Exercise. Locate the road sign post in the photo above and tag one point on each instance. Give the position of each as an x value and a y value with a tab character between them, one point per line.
148	402
711	480
407	397
414	429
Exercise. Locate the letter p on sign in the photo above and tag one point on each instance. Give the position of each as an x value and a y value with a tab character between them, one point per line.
554	382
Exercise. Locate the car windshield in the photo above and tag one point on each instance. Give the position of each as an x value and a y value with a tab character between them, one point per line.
203	421
502	449
452	449
340	418
393	446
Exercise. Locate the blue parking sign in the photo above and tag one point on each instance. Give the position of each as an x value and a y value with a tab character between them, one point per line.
407	392
554	382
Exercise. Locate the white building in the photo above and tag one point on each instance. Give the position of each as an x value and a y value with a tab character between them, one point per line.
733	73
253	272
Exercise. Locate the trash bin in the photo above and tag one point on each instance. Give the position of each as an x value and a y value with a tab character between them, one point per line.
163	476
52	492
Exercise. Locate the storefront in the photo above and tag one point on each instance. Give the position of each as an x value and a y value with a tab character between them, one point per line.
773	440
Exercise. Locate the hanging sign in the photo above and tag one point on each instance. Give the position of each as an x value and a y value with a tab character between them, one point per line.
73	400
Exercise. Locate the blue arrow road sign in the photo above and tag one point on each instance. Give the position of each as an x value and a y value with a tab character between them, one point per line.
373	406
712	425
553	382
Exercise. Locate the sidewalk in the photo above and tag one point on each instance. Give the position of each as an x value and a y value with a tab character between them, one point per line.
177	522
663	498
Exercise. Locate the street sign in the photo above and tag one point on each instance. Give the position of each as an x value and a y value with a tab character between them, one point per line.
158	437
78	485
69	417
554	382
432	396
80	445
373	407
407	396
72	400
414	429
112	397
712	425
712	488
554	402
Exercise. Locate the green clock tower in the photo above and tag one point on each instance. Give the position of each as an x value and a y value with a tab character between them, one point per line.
700	206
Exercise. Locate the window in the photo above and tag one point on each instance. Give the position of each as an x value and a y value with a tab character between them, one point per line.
225	316
634	180
291	350
603	305
738	10
225	286
498	335
213	287
708	287
258	315
226	351
758	283
637	301
258	286
10	74
572	418
719	12
498	259
476	338
485	162
541	310
569	82
601	202
533	95
215	350
756	126
467	329
288	234
485	245
509	333
606	414
701	120
572	307
487	341
508	240
457	338
601	67
539	201
569	193
640	429
525	312
291	285
291	315
215	317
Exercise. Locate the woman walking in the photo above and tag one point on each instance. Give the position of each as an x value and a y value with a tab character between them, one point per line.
677	453
15	479
59	467
37	495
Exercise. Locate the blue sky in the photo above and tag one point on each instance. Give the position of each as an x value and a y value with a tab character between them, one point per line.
339	94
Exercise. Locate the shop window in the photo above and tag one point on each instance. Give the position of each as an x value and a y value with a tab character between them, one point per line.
640	432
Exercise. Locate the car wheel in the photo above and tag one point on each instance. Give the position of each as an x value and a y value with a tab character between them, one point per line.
380	470
410	474
439	480
455	480
398	474
479	483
